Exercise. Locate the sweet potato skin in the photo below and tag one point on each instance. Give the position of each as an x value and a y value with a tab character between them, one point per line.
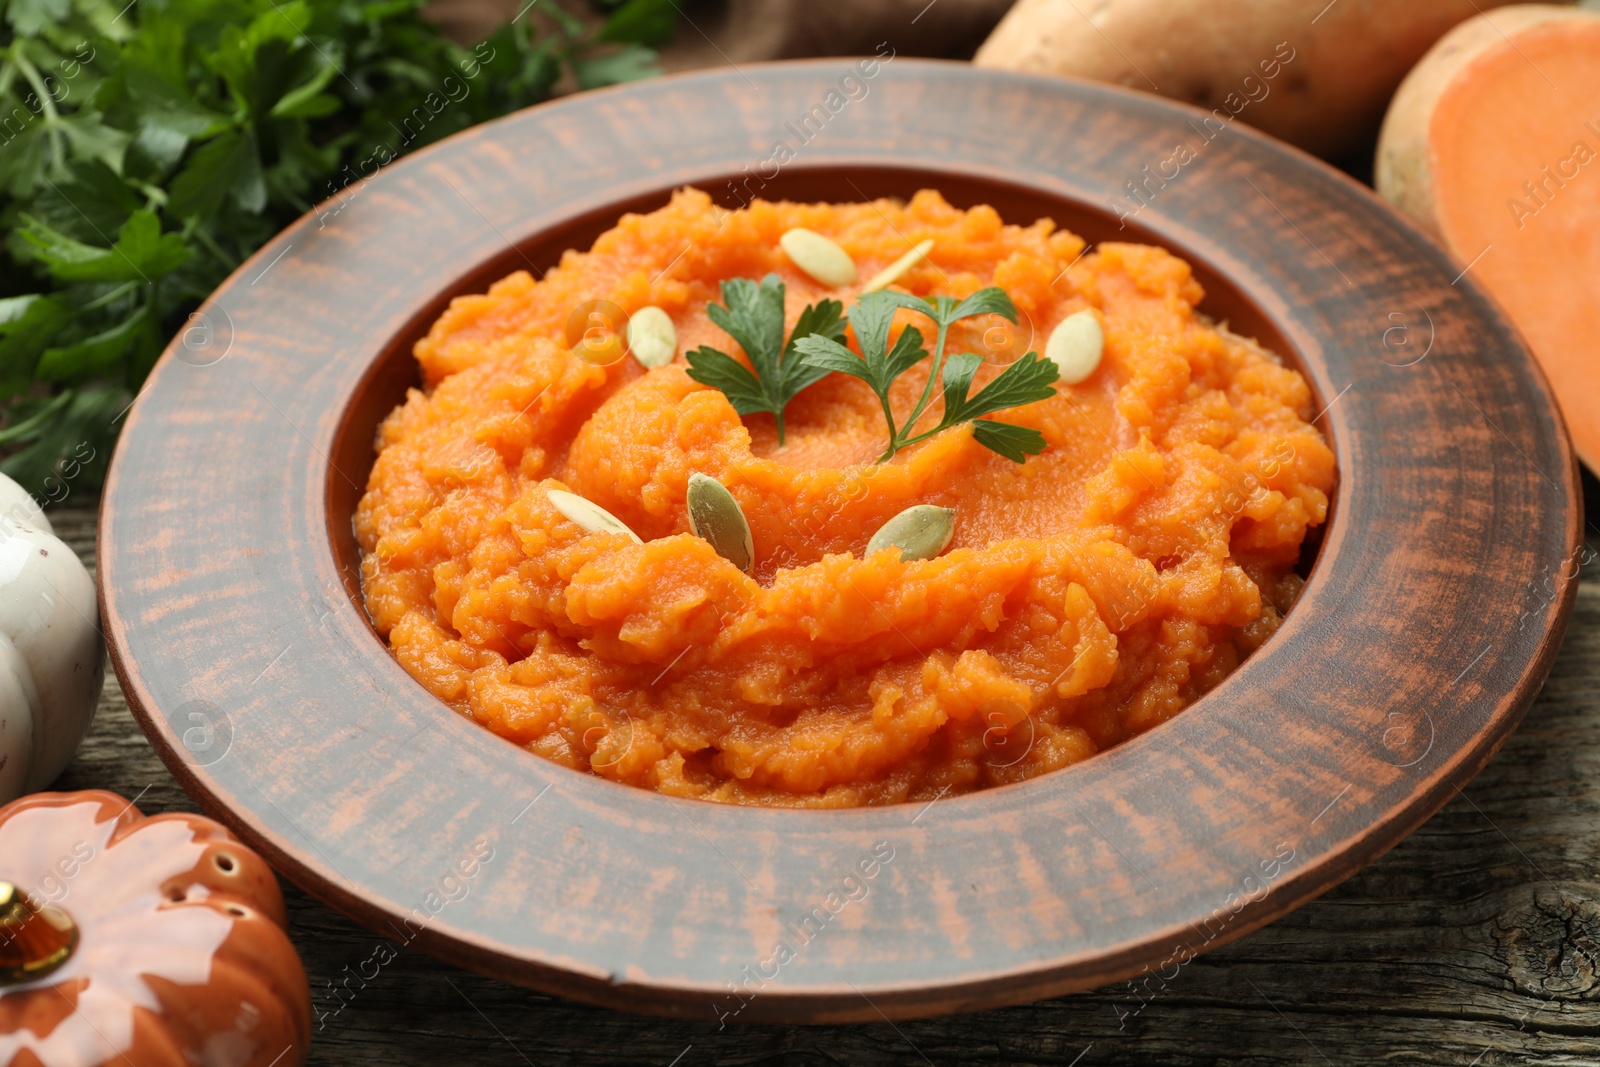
1348	56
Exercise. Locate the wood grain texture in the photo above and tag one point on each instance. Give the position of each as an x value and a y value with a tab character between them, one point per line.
1432	616
1476	940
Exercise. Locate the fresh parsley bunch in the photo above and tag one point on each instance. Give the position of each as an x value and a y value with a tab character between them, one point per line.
147	149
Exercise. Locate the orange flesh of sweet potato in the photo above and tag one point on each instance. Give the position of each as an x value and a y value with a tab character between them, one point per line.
1509	179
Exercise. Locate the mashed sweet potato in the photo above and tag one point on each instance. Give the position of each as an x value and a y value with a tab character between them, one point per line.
1088	595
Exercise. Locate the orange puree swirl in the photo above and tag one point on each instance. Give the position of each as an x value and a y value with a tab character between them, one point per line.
1088	594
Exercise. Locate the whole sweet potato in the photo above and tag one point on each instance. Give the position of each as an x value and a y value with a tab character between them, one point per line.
1346	57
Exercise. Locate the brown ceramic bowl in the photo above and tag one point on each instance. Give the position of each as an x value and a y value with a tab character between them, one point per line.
1432	614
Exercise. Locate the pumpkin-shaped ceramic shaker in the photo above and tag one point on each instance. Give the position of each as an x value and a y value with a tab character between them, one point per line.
142	942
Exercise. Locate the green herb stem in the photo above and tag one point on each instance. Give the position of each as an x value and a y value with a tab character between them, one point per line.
52	117
888	415
111	297
927	391
230	262
923	436
31	73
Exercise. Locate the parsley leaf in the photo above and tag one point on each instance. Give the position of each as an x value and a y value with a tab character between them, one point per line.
225	167
630	62
646	22
56	437
142	252
947	310
1023	382
31	16
27	323
1027	380
753	316
1016	443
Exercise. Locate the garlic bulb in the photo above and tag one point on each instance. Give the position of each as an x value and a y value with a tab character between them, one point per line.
52	657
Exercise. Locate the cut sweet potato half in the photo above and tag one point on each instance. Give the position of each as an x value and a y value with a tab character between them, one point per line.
1493	144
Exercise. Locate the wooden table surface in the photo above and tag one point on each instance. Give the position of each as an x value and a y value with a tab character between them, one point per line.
1475	942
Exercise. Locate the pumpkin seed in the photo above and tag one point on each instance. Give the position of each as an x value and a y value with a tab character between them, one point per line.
652	338
891	274
819	257
1075	346
589	515
920	532
716	516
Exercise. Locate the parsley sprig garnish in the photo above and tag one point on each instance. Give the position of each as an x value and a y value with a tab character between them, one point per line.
880	363
754	317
